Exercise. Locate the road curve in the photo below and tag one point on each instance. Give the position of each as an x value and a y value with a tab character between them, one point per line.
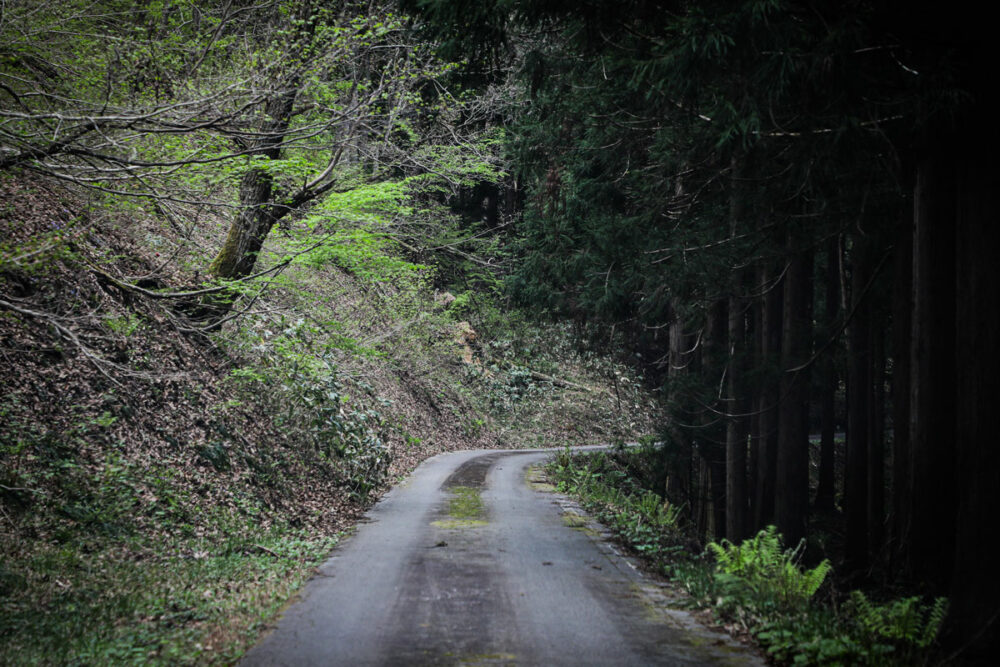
521	579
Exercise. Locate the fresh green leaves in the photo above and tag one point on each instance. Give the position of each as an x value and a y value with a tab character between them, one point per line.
768	570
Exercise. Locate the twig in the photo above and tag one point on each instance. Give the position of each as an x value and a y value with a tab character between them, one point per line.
266	550
183	295
17	488
96	360
559	382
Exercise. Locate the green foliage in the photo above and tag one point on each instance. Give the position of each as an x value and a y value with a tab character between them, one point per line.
371	256
906	621
899	632
819	637
641	517
467	164
761	585
150	601
123	325
758	584
291	374
373	204
509	386
350	435
770	573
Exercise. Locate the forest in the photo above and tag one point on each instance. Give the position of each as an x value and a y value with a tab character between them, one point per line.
771	225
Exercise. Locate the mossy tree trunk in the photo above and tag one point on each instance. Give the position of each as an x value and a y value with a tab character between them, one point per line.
258	212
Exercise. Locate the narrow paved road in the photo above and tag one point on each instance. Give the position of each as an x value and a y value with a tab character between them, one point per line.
437	577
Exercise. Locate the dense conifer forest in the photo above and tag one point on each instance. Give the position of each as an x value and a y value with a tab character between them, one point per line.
787	212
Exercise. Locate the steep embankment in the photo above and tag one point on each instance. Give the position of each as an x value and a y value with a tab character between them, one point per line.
164	486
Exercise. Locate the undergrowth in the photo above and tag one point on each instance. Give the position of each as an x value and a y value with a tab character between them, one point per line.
159	484
757	587
638	515
99	589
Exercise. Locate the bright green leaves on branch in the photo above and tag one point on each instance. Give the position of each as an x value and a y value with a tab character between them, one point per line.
353	230
365	254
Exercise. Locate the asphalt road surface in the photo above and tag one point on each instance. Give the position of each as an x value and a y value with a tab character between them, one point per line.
468	562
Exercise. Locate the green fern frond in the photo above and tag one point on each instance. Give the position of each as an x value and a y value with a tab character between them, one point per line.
904	620
769	570
935	619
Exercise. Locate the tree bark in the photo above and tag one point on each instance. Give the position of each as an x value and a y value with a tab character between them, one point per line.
770	351
901	457
932	365
736	431
712	435
976	590
736	427
257	212
678	462
753	452
792	489
859	398
826	487
753	402
876	444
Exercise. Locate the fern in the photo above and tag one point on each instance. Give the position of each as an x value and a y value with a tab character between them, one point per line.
905	620
772	573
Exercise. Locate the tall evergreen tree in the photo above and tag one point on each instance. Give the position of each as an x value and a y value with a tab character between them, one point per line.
856	116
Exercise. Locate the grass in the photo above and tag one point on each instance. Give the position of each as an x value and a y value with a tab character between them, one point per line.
639	516
111	562
179	600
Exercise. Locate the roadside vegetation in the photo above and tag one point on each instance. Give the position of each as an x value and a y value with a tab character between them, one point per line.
162	498
759	589
248	281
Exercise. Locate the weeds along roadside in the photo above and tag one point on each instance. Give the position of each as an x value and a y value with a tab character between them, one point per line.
758	588
182	552
164	515
171	539
177	599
